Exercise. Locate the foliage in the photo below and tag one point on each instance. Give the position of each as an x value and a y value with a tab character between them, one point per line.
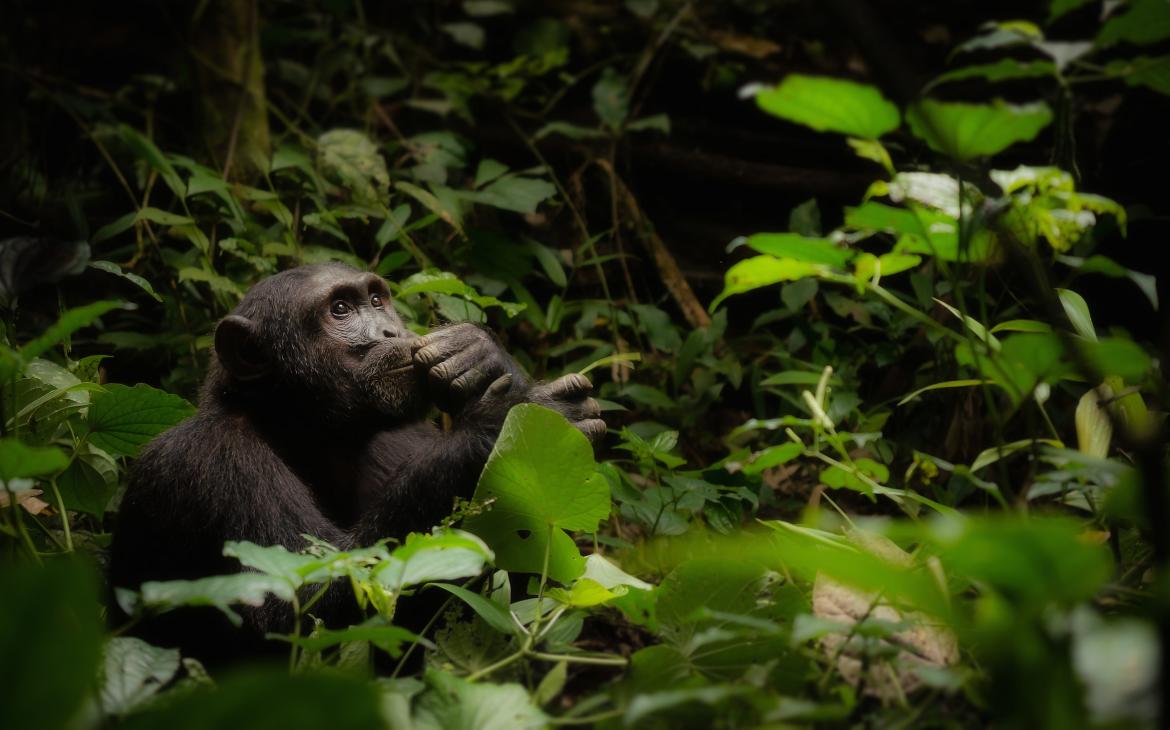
893	475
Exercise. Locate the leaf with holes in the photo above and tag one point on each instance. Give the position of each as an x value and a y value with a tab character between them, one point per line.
123	419
540	481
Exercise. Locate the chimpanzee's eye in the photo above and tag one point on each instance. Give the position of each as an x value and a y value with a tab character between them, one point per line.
376	300
340	308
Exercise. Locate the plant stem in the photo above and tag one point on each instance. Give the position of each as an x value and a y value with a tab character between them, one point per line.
64	515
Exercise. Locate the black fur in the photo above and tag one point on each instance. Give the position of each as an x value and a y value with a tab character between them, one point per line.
311	422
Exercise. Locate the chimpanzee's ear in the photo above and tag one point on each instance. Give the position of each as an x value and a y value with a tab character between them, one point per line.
235	346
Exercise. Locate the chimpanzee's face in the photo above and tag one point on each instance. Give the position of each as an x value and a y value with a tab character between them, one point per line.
327	337
360	333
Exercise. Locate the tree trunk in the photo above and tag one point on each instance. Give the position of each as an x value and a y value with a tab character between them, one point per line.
225	43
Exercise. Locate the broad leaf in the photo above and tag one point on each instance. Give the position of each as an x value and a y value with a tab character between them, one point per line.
801	248
49	641
19	461
133	672
269	700
123	419
439	556
540	481
457	704
220	591
966	131
831	105
761	271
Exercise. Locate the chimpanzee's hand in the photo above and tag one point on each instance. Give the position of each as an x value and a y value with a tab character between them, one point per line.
460	362
569	396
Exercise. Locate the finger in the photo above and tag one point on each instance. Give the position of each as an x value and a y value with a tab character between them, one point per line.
471	383
462	362
593	428
441	344
591	409
500	385
569	387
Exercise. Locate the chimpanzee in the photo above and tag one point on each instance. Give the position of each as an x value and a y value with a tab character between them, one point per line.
313	420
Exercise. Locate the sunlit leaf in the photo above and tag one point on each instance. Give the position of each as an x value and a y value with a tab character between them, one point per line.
831	105
761	271
540	481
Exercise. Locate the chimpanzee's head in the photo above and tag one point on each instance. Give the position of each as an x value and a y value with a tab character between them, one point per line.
327	336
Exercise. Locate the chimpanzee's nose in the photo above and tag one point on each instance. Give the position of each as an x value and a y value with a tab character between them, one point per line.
389	333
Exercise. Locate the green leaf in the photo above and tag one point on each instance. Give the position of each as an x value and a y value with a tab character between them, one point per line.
519	194
276	561
115	227
1005	69
715	584
801	248
872	150
145	150
651	703
1038	562
831	105
493	613
945	385
467	34
349	159
605	573
966	131
387	638
551	685
220	591
132	672
656	122
111	268
20	461
572	131
268	700
487	171
585	593
541	481
457	704
611	98
1141	23
123	419
1061	7
84	488
1153	73
1118	356
444	555
451	216
837	477
1022	325
216	281
759	271
772	456
50	638
1077	310
69	322
549	262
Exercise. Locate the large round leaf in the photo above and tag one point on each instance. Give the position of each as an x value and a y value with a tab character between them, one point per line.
540	480
966	131
123	419
831	105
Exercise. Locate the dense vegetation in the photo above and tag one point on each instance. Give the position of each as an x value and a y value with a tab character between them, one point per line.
886	443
